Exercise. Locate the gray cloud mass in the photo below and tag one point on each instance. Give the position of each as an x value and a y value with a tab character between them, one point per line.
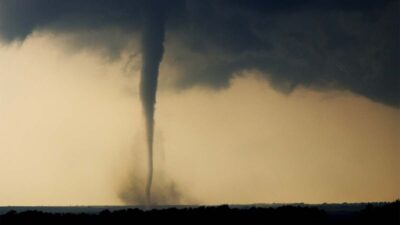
319	44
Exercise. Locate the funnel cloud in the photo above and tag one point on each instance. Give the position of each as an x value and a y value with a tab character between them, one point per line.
152	51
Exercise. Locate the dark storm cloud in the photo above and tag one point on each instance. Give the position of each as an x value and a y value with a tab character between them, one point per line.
320	44
317	44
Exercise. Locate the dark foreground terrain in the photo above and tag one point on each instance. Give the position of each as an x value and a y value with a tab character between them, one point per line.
386	213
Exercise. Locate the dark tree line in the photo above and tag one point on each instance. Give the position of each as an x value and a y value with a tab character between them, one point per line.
382	214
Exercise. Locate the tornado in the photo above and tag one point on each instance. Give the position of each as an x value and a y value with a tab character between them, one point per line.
152	51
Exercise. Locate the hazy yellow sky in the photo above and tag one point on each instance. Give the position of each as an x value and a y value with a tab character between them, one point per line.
71	134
